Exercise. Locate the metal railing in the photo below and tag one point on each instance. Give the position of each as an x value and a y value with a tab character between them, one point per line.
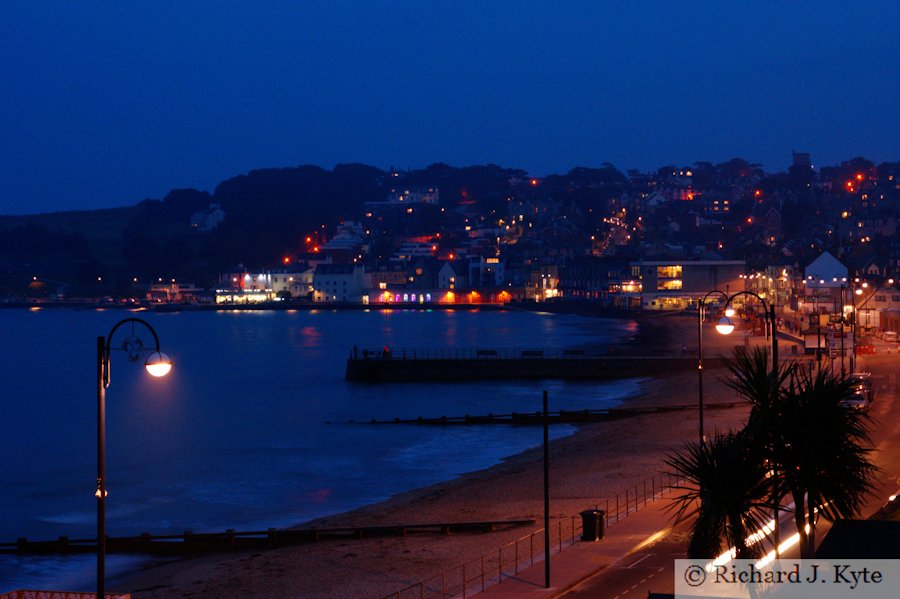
476	575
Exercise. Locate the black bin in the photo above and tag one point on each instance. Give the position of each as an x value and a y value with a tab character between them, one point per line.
592	524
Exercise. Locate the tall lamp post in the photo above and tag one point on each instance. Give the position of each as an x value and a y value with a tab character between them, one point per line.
157	364
725	326
700	356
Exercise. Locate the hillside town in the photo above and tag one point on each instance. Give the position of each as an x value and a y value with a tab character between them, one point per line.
810	241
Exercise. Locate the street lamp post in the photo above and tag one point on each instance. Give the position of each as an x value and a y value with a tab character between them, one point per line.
854	328
700	358
158	365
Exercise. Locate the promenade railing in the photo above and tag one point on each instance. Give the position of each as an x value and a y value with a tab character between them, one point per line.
474	576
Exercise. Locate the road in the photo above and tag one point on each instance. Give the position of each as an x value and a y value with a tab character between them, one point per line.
651	568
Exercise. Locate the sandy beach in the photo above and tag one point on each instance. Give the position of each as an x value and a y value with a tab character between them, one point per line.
586	469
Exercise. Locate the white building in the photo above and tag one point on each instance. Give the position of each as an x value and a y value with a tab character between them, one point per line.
209	219
292	283
338	283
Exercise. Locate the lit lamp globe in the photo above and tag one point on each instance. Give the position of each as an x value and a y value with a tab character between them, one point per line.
729	311
725	326
158	364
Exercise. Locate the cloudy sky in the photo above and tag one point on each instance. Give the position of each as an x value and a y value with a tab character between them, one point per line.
106	104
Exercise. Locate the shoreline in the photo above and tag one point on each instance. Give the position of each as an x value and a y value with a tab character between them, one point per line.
587	468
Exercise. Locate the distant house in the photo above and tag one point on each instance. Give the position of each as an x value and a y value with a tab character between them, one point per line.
771	226
486	272
209	219
338	283
824	274
869	266
452	275
292	283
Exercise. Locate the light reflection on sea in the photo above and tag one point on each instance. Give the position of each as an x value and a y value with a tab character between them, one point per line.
236	437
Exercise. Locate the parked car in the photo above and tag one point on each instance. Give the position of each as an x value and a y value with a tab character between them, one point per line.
890	336
857	401
862	382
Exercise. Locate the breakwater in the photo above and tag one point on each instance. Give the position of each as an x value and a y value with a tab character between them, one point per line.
403	365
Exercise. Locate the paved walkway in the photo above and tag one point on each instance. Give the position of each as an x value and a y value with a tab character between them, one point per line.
582	560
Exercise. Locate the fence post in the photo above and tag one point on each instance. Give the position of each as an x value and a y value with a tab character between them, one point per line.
516	565
653	486
464	581
617	507
500	565
559	524
626	502
573	528
645	492
531	547
607	512
482	573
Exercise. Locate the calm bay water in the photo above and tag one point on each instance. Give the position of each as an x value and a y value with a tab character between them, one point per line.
236	436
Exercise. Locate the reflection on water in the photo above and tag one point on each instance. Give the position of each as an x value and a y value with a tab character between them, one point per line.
235	436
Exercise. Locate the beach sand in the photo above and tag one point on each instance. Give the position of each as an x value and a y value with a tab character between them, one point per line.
586	469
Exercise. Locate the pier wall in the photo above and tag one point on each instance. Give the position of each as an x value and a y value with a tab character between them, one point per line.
474	369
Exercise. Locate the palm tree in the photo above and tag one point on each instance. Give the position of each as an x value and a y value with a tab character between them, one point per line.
823	452
753	379
814	446
730	485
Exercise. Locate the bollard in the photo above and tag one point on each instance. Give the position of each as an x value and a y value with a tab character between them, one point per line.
592	525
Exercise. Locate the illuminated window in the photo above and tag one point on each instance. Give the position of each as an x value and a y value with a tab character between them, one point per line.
669	284
668	272
668	277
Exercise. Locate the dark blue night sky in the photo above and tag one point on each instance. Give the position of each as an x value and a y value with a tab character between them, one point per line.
105	104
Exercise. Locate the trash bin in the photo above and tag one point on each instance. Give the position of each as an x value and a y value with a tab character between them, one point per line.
592	523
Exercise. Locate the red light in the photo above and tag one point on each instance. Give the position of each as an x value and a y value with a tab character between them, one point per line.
309	240
859	176
286	260
850	184
757	193
316	249
534	182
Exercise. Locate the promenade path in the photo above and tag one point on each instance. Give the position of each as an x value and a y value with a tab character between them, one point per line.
637	554
625	544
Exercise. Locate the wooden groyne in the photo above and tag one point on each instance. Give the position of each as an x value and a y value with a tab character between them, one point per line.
464	365
190	543
557	417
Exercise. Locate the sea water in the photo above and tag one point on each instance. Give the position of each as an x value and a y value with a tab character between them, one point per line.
251	428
